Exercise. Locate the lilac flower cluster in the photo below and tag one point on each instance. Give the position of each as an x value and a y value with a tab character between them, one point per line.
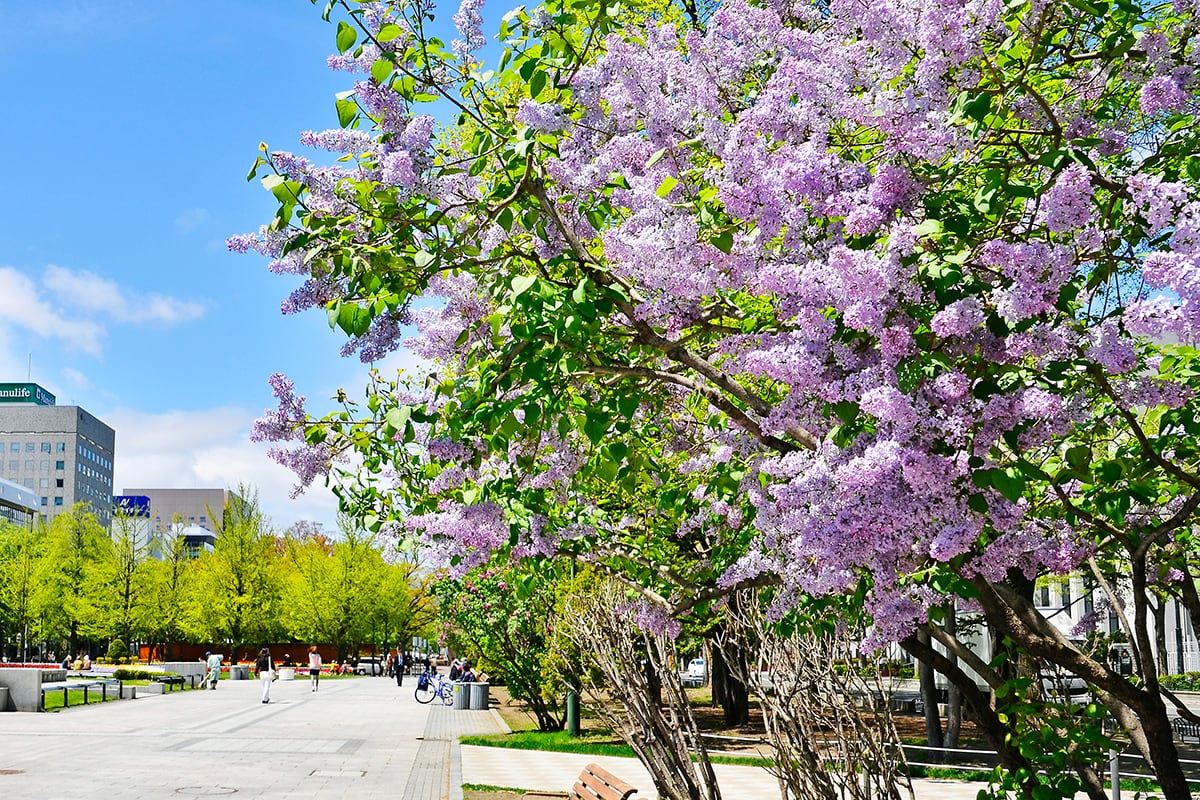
469	23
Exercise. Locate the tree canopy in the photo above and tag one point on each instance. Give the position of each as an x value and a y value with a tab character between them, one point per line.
893	301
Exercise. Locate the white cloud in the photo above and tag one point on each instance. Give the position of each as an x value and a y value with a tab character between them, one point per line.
190	220
91	292
76	378
210	449
22	306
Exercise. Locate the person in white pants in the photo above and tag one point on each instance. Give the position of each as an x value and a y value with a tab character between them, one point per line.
265	668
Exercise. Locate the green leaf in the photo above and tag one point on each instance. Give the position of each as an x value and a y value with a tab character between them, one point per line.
522	284
347	110
668	183
389	32
655	157
1079	456
1009	483
353	319
346	36
723	242
537	82
381	70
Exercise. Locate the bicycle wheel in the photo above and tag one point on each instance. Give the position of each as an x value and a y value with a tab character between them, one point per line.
448	694
426	694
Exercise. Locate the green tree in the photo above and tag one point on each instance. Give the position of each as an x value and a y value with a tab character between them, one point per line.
502	617
71	592
171	578
123	579
21	551
334	587
236	595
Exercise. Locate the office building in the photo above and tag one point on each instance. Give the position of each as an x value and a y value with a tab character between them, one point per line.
63	454
197	513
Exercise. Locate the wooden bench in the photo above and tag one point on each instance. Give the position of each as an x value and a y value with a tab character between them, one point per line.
594	783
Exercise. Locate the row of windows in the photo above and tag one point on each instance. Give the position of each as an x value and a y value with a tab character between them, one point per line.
93	474
31	447
14	465
88	453
58	501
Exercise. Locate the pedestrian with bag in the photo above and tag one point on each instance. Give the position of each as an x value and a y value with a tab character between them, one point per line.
265	667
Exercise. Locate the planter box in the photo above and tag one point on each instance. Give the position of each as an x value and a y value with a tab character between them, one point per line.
148	689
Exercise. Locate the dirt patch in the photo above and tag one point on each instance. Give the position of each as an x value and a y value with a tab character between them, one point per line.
472	794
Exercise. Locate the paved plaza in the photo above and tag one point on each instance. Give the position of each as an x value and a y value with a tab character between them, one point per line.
358	738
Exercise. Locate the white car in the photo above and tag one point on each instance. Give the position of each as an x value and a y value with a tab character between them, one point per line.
369	665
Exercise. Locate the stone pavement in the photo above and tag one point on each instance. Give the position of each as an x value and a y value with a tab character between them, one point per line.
360	738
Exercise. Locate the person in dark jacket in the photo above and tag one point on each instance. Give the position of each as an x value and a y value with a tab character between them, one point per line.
265	668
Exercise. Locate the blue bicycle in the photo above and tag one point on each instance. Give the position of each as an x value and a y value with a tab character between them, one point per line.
431	685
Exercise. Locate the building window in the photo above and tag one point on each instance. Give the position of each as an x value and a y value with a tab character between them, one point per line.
58	483
61	447
14	465
1045	595
29	466
60	465
44	483
45	501
58	501
29	448
45	465
15	447
45	447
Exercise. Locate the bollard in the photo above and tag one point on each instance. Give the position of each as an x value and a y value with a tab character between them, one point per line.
1114	773
572	713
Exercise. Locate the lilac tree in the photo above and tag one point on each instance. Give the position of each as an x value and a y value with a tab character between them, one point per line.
890	301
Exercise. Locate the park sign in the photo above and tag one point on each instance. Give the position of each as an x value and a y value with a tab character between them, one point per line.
25	393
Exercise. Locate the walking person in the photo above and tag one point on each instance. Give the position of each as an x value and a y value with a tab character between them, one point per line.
265	668
401	662
314	668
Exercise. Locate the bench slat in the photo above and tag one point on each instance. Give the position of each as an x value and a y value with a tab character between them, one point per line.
597	783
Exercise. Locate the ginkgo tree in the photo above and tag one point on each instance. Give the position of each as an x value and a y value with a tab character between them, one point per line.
889	300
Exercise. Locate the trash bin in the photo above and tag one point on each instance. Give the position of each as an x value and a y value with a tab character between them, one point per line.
462	696
479	696
239	672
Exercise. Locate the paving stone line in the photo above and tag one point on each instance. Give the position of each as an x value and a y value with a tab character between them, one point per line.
437	771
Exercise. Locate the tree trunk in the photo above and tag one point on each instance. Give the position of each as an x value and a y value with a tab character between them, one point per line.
954	698
719	675
929	694
735	700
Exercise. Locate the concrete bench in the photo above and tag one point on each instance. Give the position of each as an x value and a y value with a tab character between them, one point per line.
594	783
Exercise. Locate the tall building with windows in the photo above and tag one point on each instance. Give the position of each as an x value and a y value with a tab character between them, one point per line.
62	454
197	513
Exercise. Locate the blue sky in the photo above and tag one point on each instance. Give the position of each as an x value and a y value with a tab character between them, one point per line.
129	130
